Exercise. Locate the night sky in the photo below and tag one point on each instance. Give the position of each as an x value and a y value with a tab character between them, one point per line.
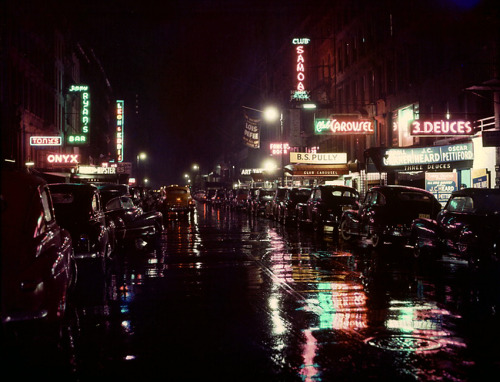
192	65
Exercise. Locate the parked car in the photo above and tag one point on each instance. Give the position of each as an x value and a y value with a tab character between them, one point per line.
287	207
325	206
467	227
387	213
252	194
271	207
218	197
37	263
134	222
79	209
200	196
239	199
177	200
262	196
112	190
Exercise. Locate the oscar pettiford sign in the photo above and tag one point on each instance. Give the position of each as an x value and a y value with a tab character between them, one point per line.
318	158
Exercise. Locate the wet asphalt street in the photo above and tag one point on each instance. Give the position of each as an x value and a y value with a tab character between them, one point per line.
225	297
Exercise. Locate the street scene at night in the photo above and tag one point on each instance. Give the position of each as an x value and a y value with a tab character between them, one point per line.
250	190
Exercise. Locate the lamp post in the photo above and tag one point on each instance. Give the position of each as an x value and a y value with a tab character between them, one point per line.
271	114
140	157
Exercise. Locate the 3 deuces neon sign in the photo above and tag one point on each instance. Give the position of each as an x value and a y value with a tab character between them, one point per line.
82	138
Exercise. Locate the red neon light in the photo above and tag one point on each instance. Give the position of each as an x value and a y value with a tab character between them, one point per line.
422	127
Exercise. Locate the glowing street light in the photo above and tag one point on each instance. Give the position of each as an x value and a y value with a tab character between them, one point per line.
271	114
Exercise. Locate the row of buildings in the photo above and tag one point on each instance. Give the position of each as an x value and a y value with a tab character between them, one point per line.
59	115
404	93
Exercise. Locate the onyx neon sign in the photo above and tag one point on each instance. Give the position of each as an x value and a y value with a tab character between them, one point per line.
119	130
82	138
441	128
63	159
300	91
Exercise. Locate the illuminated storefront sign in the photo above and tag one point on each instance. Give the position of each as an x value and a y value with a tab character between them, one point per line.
336	126
318	158
82	137
119	130
441	184
96	170
63	158
440	128
45	141
428	158
279	148
300	92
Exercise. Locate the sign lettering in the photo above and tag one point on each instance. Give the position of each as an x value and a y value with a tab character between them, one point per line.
334	126
45	141
440	128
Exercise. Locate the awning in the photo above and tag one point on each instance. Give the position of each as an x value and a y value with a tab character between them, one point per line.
315	170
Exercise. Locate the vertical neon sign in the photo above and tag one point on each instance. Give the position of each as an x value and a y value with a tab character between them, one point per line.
81	138
300	91
119	130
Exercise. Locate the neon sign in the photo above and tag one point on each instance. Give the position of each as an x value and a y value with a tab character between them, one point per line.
45	141
440	128
119	130
85	115
63	158
334	126
300	91
279	148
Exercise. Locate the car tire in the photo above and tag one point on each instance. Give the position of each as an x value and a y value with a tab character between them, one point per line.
343	231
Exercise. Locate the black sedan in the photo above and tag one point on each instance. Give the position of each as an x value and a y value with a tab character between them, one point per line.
325	206
79	209
132	223
468	227
287	208
387	213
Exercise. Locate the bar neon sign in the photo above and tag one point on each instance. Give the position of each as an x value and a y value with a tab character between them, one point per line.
279	148
119	130
46	141
441	128
81	138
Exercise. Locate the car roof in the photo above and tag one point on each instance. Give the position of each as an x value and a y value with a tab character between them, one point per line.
476	191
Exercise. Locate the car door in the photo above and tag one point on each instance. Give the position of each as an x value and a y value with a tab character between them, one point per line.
368	211
452	219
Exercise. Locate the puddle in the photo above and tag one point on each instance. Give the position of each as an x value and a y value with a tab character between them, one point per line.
403	343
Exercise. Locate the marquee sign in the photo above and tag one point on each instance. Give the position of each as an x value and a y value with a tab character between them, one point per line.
82	137
428	158
119	130
341	126
45	141
318	158
96	170
300	92
441	128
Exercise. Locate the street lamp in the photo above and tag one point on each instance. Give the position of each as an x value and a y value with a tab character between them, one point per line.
140	157
271	114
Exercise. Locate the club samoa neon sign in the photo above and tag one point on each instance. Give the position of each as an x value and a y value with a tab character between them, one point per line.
300	92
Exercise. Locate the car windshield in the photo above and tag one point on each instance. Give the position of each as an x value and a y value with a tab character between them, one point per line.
177	192
69	206
301	195
479	204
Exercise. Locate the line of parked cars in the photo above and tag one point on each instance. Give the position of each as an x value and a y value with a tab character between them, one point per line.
468	227
50	230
